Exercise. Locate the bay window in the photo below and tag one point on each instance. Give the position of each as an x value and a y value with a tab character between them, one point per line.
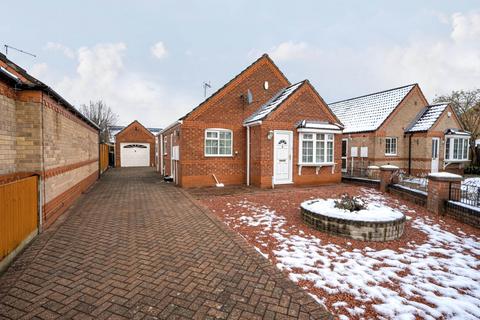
456	148
316	148
218	142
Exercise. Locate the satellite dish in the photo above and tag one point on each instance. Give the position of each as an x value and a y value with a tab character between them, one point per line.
249	96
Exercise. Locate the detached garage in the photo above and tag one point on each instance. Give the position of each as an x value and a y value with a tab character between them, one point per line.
134	146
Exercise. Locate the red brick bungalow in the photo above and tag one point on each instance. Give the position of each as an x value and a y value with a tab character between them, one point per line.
257	129
399	127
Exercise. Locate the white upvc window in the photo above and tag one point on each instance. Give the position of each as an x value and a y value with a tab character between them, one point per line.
218	142
391	146
165	145
456	148
316	148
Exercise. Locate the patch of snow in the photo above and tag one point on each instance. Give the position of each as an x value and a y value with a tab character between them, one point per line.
444	175
367	113
472	182
375	211
389	166
438	278
428	118
411	189
273	103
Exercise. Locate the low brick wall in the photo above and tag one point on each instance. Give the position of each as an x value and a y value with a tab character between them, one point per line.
358	230
415	196
362	181
465	214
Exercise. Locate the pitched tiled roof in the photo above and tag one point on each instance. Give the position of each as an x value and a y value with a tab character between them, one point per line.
427	118
273	103
367	113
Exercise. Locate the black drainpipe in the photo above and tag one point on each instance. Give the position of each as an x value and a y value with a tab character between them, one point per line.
410	154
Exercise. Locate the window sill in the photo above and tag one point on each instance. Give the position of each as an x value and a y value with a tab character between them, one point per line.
391	155
320	164
317	166
219	156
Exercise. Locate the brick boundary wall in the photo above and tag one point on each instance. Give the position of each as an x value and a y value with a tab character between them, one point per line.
57	206
462	213
354	229
417	197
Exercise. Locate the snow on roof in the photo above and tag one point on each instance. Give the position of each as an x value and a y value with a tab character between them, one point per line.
273	103
367	113
429	116
319	125
113	130
457	132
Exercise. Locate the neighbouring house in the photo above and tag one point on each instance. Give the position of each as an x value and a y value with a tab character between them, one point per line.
134	145
42	133
258	129
399	127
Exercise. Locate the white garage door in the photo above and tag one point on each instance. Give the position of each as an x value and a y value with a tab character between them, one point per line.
135	154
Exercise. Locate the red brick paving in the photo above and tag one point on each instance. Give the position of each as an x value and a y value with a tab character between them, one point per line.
137	248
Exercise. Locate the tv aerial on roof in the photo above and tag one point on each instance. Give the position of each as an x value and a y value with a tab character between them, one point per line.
205	86
16	49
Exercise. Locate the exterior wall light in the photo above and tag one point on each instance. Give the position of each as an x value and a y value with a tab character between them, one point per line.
270	135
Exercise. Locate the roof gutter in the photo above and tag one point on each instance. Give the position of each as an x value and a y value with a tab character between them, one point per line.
254	123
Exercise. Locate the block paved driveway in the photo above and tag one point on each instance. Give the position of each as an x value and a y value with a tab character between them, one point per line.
136	247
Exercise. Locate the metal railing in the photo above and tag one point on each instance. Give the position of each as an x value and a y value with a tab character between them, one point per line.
411	182
366	173
466	194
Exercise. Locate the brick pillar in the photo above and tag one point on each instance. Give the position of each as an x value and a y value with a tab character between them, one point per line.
386	176
439	189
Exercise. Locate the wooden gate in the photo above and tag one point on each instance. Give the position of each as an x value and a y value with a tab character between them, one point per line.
103	157
18	213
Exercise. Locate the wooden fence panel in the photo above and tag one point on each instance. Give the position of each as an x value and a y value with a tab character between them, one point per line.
18	213
103	157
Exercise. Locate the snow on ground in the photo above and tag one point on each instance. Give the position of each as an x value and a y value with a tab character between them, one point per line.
374	211
435	277
472	182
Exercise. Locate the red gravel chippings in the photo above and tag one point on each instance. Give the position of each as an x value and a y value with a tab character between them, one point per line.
286	204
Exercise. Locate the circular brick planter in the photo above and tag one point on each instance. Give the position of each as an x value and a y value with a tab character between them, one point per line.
355	229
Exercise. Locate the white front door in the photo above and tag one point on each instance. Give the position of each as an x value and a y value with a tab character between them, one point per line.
135	154
435	153
282	156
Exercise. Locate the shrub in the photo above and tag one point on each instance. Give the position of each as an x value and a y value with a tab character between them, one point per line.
350	203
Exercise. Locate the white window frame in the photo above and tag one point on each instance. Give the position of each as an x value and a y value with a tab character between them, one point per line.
217	130
464	147
396	146
314	155
165	146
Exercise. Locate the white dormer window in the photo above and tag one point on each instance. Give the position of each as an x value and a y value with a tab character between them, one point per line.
390	146
218	142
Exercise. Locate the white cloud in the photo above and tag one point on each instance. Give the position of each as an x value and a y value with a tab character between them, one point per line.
285	51
466	27
102	74
54	46
159	50
39	70
438	64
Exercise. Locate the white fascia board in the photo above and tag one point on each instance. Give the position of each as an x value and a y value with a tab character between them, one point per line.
251	124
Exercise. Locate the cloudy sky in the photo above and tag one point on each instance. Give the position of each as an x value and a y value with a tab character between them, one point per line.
148	59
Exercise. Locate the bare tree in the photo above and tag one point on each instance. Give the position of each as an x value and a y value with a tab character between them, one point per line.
467	106
102	115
